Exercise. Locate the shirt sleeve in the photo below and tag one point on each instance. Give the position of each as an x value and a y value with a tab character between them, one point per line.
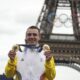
10	68
50	71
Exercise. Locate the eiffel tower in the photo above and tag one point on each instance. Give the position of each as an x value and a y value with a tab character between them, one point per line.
65	47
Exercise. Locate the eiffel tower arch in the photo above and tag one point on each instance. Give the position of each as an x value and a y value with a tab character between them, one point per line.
65	47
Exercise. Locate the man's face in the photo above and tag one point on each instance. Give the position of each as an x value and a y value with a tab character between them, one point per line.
32	36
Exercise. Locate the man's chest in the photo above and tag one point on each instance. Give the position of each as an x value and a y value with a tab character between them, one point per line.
31	62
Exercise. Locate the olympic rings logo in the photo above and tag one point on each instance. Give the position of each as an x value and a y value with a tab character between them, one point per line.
61	20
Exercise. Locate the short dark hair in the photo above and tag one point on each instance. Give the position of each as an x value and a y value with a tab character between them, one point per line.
34	27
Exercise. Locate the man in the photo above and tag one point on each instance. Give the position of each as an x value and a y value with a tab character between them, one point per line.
32	63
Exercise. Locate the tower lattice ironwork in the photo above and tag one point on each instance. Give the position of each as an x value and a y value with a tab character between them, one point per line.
65	47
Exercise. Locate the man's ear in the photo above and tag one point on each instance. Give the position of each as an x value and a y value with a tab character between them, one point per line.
25	40
39	37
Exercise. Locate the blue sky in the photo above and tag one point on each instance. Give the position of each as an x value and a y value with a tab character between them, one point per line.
15	17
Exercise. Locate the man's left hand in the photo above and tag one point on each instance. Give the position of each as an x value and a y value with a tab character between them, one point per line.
48	55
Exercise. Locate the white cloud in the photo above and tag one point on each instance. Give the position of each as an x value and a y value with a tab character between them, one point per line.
15	14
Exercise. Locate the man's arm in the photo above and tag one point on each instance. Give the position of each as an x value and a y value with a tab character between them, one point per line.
50	71
10	68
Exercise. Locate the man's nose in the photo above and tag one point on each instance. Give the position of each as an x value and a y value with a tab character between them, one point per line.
32	36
